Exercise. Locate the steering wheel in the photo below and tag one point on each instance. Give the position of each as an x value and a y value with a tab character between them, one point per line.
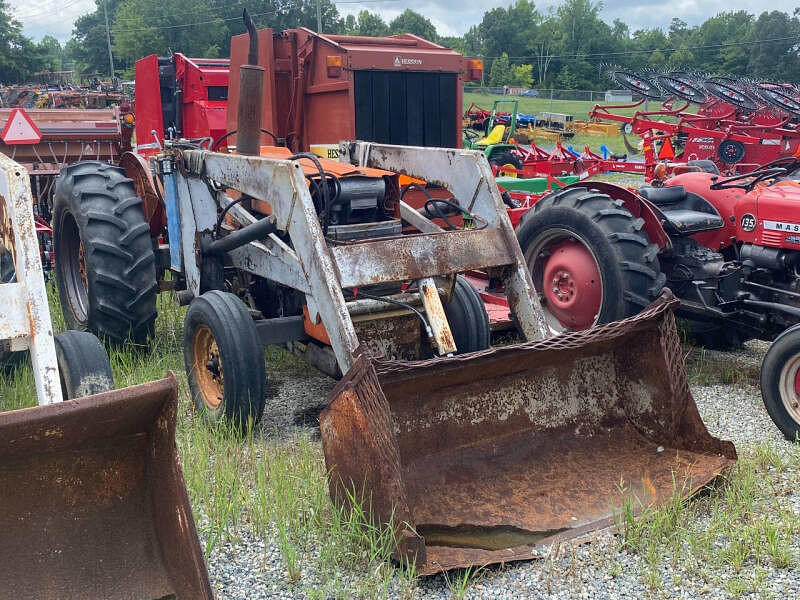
790	163
748	180
471	135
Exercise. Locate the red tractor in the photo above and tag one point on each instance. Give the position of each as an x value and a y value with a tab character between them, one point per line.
729	248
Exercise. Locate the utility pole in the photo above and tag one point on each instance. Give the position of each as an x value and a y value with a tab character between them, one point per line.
319	18
108	38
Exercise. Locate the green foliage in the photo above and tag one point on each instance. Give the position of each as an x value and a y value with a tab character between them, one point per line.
564	46
370	24
52	53
412	22
523	75
19	56
500	73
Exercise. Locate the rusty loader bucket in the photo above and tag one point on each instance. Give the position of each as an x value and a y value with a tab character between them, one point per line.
483	457
93	500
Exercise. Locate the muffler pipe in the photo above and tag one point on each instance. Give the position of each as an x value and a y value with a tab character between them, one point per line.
255	231
251	88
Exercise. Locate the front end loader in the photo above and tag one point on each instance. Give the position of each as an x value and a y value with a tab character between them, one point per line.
474	455
93	499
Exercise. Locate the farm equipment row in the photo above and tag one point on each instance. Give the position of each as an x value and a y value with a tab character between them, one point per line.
738	126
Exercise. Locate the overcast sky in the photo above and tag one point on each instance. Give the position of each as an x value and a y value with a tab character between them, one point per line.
451	17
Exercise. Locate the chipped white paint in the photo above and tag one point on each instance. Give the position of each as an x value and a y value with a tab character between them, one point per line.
24	311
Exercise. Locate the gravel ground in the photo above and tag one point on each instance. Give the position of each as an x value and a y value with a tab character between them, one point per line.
254	568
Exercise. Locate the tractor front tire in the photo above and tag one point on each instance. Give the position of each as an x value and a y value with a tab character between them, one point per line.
105	264
780	382
83	365
224	359
590	259
466	314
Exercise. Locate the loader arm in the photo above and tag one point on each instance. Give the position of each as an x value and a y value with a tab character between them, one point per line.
24	311
322	271
467	175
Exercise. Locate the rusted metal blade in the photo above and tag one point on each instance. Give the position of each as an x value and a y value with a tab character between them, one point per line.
484	457
93	500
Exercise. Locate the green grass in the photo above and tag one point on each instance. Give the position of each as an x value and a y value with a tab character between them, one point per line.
744	526
578	108
276	489
273	488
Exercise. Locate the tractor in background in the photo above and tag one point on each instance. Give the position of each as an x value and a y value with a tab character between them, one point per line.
498	144
728	248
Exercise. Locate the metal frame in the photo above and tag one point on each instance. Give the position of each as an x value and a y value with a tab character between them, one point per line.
24	311
322	272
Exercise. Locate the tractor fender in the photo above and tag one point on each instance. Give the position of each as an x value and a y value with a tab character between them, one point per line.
638	207
147	188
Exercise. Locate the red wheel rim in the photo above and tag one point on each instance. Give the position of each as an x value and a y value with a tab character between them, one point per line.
797	383
571	284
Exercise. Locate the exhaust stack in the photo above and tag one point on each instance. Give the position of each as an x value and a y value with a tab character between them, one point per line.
251	88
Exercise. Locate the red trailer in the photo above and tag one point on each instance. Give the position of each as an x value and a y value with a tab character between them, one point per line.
320	89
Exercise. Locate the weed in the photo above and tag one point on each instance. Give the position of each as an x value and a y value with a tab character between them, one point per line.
460	583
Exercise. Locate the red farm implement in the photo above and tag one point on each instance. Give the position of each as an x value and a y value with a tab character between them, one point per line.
738	126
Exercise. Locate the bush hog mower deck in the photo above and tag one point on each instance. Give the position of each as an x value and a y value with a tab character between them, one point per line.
729	248
94	503
474	458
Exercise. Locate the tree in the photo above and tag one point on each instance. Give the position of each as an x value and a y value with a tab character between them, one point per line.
51	52
19	56
371	24
412	22
500	73
546	44
777	59
566	79
511	30
135	35
523	75
657	59
90	50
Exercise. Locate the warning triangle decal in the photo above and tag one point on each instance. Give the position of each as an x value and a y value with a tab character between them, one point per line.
19	129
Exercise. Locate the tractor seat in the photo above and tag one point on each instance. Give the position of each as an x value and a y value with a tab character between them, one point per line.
494	137
682	213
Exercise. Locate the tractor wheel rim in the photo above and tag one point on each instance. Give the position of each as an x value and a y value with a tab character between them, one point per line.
565	271
72	256
789	387
507	170
208	367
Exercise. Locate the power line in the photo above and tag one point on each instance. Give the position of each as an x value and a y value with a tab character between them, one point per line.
41	10
238	18
596	55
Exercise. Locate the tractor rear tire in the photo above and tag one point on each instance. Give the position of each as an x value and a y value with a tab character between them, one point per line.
467	317
780	382
224	359
105	264
83	365
599	262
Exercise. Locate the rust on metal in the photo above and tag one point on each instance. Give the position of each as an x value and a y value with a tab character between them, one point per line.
94	501
418	256
436	316
137	168
487	456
